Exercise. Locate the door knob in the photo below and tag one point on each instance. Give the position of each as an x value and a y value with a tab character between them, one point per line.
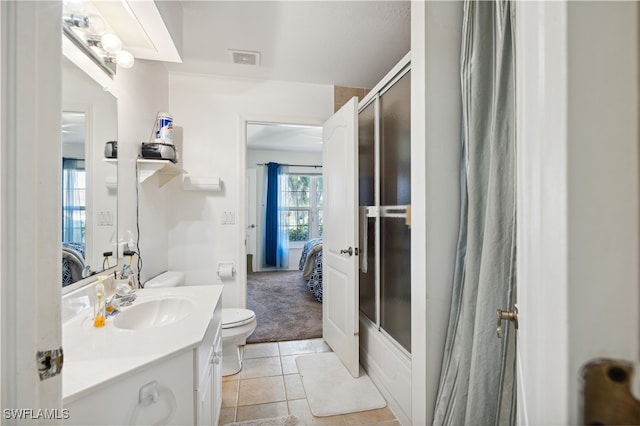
348	251
509	316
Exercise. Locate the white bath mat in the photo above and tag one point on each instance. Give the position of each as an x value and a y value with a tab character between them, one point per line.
332	390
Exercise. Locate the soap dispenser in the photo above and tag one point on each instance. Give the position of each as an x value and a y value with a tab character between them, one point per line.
99	307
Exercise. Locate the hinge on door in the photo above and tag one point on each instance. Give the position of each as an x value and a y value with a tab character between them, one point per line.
49	363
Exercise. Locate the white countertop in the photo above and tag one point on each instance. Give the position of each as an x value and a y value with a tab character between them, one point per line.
95	357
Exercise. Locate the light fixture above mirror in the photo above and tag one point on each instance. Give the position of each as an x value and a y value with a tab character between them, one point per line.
83	24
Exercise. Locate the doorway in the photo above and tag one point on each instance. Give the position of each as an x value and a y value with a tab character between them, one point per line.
283	211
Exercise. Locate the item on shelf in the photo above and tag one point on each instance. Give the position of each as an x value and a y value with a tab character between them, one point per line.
111	149
159	151
164	128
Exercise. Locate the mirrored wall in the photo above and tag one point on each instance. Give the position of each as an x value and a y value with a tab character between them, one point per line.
89	181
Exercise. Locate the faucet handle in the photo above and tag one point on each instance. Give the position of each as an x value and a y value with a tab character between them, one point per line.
128	299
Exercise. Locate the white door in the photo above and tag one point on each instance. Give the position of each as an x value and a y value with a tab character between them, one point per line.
577	200
31	290
543	392
340	252
251	216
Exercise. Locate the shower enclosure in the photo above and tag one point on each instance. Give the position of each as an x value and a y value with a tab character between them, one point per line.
384	186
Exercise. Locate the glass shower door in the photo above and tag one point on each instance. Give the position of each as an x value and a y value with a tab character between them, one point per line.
395	201
367	200
384	173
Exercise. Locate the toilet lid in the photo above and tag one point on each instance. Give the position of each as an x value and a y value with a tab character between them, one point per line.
233	317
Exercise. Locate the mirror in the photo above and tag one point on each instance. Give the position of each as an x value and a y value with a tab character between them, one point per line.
89	181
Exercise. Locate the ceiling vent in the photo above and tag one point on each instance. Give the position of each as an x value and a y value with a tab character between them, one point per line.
245	57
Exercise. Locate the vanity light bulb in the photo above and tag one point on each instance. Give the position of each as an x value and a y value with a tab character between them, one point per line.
111	43
97	26
124	59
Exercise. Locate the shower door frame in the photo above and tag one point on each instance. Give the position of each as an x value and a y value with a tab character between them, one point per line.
378	349
374	98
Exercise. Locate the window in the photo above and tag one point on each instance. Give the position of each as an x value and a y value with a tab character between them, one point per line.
73	201
303	195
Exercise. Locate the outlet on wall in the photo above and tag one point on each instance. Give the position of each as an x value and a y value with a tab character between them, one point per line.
105	218
228	218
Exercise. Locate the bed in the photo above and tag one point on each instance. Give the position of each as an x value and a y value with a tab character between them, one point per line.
72	262
311	267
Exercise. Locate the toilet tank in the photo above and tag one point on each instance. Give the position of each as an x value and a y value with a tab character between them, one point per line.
166	279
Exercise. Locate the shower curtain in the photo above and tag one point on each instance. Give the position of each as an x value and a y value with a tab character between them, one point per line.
477	381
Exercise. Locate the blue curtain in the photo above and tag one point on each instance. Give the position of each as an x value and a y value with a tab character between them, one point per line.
477	380
271	216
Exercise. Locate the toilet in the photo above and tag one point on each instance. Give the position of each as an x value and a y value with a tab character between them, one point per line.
237	324
166	279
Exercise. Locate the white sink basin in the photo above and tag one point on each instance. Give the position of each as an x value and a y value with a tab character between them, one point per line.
74	306
154	313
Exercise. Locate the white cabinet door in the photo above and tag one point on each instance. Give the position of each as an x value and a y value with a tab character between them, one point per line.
118	402
340	325
209	392
217	377
205	397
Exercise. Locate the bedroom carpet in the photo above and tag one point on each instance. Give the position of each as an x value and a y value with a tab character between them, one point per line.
285	309
331	390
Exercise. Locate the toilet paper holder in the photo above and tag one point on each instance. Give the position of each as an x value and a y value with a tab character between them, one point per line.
226	270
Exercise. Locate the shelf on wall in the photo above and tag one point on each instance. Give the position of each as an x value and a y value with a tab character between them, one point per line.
194	183
165	169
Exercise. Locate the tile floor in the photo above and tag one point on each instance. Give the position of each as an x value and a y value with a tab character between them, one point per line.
269	385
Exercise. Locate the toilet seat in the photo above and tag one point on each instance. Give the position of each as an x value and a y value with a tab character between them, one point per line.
234	317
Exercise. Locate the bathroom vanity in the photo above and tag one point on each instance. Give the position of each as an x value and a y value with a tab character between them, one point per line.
157	362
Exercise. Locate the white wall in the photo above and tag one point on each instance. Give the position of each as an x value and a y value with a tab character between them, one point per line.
255	157
209	112
142	92
603	192
436	29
